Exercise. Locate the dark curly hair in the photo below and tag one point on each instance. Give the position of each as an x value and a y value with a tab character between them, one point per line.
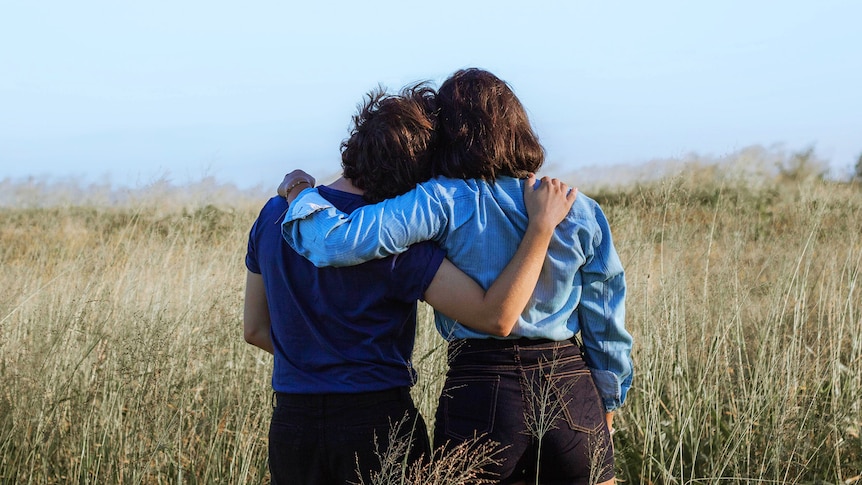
483	130
388	151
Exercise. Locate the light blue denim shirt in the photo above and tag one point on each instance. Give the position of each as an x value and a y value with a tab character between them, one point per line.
581	287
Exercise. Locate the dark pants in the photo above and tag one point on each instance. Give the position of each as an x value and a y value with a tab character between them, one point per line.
514	391
325	438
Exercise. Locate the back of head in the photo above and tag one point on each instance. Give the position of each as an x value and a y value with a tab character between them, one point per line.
483	130
389	146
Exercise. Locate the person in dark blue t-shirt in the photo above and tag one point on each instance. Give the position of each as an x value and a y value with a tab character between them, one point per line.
342	338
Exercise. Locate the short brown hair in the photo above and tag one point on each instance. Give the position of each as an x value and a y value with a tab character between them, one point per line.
483	130
389	146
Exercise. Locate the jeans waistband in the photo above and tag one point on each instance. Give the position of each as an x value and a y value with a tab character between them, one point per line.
322	400
496	343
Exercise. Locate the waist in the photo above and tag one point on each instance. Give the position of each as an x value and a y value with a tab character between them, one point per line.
558	326
499	355
496	343
340	399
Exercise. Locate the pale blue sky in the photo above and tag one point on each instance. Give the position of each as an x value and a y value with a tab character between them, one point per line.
244	91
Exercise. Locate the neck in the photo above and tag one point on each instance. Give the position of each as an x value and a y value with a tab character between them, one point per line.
345	185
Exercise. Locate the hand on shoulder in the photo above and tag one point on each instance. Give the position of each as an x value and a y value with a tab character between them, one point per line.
549	202
294	180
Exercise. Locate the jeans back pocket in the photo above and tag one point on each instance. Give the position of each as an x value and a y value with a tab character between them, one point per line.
582	407
468	406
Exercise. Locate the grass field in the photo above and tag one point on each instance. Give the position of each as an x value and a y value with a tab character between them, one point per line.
122	358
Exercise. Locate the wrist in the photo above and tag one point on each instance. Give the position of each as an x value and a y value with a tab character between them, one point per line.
299	184
534	226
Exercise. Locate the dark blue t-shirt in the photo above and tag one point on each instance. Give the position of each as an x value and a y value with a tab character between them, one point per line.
339	330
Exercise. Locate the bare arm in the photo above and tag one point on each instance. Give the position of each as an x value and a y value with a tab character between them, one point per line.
496	311
255	319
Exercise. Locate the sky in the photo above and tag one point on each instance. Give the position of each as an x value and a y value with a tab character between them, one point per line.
136	92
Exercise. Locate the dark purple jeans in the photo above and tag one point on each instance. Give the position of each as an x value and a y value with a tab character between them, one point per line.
323	438
511	391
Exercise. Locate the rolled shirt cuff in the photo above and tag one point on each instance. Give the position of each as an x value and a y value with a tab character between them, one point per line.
306	203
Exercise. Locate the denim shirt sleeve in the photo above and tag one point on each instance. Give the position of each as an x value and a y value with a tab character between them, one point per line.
601	312
328	237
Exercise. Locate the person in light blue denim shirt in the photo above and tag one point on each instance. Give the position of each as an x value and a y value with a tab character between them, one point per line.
475	210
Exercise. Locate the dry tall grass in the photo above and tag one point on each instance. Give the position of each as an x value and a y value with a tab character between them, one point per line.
745	305
122	358
122	353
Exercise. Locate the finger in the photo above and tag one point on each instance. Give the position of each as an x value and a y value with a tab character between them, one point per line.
572	194
531	181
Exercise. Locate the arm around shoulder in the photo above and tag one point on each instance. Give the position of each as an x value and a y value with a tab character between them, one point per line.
321	233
